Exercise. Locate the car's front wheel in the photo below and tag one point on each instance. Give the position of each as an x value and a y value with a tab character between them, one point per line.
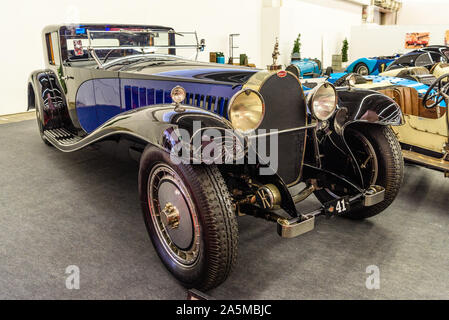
189	217
378	154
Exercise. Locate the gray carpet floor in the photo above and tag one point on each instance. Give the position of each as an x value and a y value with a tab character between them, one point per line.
82	209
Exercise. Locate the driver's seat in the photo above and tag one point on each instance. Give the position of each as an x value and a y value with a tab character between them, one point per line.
407	98
410	102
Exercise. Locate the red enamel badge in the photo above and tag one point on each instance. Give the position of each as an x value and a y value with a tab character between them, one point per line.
282	74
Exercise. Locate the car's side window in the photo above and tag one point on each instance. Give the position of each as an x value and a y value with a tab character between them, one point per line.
52	48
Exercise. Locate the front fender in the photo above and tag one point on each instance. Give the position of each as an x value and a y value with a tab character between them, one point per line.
361	106
159	125
357	105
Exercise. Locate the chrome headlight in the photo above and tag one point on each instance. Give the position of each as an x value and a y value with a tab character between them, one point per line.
178	94
323	101
246	110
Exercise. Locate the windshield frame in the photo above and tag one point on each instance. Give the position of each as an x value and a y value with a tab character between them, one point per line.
89	32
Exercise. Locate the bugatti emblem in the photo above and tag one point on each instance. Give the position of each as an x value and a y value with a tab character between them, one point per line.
282	74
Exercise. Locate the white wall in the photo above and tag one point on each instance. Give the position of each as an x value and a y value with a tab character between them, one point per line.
387	40
330	20
415	16
424	12
21	23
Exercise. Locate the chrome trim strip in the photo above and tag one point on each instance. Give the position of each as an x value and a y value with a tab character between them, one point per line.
310	126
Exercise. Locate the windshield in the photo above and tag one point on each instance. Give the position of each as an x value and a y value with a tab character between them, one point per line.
105	46
429	58
424	60
417	59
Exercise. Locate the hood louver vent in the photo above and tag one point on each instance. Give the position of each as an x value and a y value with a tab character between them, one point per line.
136	97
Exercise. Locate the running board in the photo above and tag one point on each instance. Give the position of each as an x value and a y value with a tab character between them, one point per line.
427	161
61	136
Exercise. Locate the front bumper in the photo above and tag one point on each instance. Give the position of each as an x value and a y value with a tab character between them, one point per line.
290	228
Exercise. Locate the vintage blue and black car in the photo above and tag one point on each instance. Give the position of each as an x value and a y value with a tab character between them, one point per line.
307	67
255	144
371	65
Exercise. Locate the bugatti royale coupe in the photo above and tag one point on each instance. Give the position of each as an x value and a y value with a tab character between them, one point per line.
215	141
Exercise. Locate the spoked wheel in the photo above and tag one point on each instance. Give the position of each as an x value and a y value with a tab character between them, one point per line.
379	157
189	217
174	215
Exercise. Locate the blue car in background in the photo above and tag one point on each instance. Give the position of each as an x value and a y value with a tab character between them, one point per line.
373	65
305	68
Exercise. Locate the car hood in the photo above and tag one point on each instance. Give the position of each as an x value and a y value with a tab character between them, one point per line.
186	70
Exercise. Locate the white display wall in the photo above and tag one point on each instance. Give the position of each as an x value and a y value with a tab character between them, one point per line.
323	26
21	23
372	40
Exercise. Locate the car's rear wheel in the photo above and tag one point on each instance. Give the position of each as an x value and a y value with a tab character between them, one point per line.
379	156
190	219
362	69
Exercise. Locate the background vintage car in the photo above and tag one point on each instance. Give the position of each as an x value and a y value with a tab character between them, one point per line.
307	67
125	83
423	65
372	65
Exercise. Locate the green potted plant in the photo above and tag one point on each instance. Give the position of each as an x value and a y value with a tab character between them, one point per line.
296	53
344	51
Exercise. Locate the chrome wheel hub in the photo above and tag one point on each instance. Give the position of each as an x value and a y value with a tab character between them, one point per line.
174	215
170	216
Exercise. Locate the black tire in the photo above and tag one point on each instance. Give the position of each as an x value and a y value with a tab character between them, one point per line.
213	210
390	169
362	69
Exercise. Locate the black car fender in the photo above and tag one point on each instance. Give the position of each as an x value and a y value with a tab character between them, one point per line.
164	126
47	97
371	107
361	106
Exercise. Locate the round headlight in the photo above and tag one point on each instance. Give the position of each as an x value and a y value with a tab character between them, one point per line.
178	94
246	110
323	101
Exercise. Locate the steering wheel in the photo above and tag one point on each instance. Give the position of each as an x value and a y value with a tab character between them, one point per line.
436	92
